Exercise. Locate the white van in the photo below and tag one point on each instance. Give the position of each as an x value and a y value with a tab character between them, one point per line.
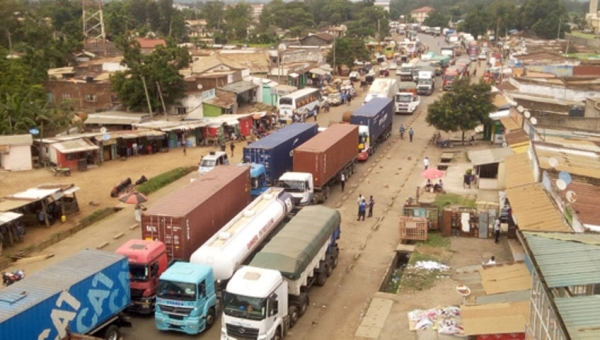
213	159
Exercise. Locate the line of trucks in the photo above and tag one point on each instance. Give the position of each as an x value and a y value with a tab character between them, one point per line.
209	248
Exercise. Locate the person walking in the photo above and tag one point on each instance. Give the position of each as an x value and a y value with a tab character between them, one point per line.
343	181
232	147
426	162
371	204
184	150
411	132
497	230
401	130
348	99
362	209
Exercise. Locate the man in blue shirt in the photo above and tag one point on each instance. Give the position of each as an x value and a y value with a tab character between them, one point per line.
362	209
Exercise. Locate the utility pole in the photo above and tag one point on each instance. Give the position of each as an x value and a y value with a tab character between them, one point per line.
162	100
147	98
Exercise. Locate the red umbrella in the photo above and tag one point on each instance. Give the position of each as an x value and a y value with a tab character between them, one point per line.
133	198
432	173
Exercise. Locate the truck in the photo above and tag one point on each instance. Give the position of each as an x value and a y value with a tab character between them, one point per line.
447	51
320	163
374	121
215	262
266	298
258	178
84	294
451	74
147	261
440	63
382	88
407	101
473	50
426	82
405	72
186	300
188	217
275	150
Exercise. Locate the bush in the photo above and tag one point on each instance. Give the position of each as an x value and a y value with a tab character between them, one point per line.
162	180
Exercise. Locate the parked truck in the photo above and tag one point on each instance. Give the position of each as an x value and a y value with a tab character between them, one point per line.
147	261
382	88
187	218
374	121
320	163
266	298
450	75
85	294
213	264
275	150
406	101
426	82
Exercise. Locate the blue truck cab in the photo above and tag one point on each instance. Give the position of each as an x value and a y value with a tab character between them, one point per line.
258	178
186	299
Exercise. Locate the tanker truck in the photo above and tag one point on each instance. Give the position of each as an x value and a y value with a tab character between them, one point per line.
82	295
213	264
320	163
266	298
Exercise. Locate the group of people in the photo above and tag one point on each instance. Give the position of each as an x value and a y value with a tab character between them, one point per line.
437	187
411	132
364	205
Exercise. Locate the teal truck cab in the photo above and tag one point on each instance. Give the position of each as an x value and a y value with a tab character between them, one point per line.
258	178
186	299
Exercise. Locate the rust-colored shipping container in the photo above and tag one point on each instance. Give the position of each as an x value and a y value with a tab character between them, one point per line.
328	153
187	218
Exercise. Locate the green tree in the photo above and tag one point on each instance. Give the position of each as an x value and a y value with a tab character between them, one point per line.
347	50
437	19
159	70
462	109
214	13
477	21
544	18
238	19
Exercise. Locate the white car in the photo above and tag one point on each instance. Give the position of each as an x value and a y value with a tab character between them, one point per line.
482	56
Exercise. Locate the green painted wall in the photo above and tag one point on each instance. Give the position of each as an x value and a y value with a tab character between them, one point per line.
211	110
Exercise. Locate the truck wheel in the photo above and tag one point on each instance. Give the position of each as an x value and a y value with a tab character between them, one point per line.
112	332
294	315
210	318
322	274
277	335
335	255
303	300
330	261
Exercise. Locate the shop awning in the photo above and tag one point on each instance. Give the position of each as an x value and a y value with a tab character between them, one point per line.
318	71
239	87
8	216
75	145
489	156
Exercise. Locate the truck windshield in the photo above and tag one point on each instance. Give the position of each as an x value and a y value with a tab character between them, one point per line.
245	307
406	69
403	98
293	186
424	81
255	182
448	78
138	272
176	290
208	163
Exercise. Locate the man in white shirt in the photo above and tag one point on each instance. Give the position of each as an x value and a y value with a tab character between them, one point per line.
343	181
426	162
497	230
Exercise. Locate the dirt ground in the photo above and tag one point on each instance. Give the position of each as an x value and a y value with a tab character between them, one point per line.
96	183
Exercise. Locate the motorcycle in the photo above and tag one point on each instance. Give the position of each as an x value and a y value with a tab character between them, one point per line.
56	171
444	144
10	278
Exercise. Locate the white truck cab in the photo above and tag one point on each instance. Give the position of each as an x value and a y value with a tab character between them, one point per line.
213	159
406	102
425	82
300	185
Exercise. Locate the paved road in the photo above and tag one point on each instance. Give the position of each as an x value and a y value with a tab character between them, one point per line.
336	308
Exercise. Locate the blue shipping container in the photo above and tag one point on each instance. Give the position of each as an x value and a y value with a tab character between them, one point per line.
81	292
275	150
377	114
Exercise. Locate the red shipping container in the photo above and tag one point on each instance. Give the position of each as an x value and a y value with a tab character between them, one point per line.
188	217
327	153
246	126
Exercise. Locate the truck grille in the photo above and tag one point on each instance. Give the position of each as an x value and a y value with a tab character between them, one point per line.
240	332
136	294
176	312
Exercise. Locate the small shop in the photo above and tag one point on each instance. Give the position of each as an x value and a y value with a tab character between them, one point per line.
489	168
43	205
76	153
12	230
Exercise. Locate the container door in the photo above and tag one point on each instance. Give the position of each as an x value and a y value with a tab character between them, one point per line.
164	230
483	225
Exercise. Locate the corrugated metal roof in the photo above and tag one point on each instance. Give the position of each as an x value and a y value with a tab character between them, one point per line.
116	118
519	170
75	145
52	280
580	315
586	203
509	123
26	139
533	209
489	156
516	138
576	162
565	263
239	86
